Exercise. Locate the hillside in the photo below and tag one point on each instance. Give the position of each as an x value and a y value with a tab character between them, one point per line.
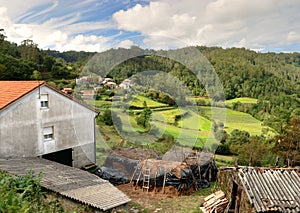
262	91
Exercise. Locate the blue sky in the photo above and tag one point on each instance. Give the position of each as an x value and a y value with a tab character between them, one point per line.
98	25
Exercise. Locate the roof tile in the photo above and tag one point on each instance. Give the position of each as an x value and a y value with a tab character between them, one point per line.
11	91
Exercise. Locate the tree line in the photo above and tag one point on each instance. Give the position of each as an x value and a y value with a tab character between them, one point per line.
27	62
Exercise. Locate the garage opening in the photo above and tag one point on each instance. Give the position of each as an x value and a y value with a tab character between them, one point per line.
63	157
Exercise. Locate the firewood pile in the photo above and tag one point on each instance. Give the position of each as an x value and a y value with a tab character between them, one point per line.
214	203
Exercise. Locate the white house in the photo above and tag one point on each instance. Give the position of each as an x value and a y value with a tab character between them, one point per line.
126	84
39	120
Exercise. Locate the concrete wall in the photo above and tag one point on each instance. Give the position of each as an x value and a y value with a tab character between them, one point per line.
22	124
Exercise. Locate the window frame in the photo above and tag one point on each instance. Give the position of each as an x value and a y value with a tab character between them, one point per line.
48	133
44	101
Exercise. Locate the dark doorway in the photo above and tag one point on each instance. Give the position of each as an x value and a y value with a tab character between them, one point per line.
234	194
63	157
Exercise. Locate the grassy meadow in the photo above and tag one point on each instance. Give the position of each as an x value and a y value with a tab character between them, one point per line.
189	128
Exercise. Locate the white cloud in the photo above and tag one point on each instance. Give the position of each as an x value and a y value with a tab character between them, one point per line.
17	8
254	24
61	32
86	43
125	44
293	37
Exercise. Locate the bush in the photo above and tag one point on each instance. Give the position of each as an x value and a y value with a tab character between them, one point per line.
223	149
24	194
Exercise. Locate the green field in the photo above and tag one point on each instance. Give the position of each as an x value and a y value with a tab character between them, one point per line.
243	100
235	120
99	104
167	116
205	100
138	101
192	129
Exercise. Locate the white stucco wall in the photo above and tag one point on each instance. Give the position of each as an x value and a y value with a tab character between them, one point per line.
22	123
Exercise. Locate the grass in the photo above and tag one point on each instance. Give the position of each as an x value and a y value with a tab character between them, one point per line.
163	203
193	129
138	101
224	160
99	104
195	121
235	120
205	100
167	116
243	100
106	138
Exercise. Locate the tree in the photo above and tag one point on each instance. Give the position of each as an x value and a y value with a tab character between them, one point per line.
236	139
110	118
29	51
49	62
144	116
287	146
2	38
59	71
259	155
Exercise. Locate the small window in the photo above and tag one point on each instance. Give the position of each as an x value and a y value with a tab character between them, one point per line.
44	101
48	133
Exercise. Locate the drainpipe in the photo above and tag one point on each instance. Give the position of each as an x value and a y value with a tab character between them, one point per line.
95	147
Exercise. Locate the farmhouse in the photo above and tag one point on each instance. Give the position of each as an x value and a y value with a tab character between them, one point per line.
39	120
251	189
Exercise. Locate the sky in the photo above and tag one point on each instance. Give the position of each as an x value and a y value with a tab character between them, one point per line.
98	25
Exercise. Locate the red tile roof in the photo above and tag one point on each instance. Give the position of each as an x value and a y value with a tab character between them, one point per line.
11	91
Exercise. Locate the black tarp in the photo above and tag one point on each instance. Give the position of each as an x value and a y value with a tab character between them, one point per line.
186	181
114	176
119	170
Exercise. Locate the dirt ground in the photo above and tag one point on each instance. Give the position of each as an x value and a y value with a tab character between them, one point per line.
157	201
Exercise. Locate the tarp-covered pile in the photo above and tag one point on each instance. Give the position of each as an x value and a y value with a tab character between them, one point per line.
117	169
169	173
194	173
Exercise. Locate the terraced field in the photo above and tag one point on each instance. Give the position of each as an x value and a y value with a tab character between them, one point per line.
236	120
189	128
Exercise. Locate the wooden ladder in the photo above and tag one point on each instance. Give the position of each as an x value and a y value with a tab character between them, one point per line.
146	179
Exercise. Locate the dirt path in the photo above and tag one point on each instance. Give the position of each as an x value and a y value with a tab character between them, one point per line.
158	202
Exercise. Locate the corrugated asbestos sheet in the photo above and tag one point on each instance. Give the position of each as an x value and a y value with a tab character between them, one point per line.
73	183
275	190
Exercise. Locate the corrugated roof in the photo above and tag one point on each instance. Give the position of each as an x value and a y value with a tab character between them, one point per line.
73	183
11	91
269	190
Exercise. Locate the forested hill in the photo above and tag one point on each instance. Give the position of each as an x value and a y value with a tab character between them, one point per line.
247	73
242	72
273	79
25	61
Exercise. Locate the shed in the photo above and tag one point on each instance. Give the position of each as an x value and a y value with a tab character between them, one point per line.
70	182
252	189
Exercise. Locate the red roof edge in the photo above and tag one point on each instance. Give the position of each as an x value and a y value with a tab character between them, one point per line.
39	83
